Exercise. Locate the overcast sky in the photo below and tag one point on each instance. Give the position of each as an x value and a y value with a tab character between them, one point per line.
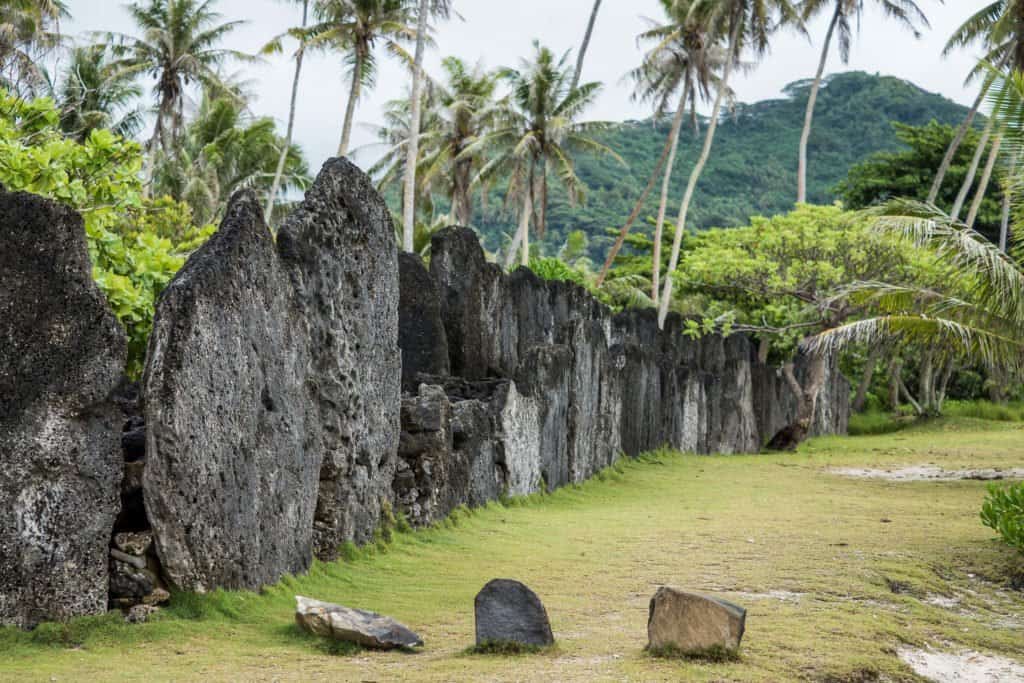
499	33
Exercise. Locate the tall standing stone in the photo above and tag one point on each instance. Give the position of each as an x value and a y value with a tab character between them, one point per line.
230	481
62	353
339	249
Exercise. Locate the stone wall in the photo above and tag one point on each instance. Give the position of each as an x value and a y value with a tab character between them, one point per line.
271	425
545	384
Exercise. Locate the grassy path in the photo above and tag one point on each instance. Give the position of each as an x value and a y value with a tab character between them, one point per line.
837	574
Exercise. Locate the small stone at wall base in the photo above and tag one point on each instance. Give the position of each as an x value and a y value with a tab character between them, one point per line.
353	625
509	612
140	614
693	624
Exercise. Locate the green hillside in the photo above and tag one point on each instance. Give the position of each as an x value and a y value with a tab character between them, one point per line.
753	164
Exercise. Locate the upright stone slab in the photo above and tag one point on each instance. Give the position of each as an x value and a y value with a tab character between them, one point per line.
508	612
421	334
230	480
689	623
62	353
339	250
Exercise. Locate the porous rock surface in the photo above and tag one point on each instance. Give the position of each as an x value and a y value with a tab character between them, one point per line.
353	625
507	611
272	389
230	482
692	623
61	356
547	386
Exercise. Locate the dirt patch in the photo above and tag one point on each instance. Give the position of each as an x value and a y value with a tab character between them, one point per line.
965	667
929	473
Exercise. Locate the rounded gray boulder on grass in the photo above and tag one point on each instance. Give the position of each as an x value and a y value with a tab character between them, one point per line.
507	612
368	629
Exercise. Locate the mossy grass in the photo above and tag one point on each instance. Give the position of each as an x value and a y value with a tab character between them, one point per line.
748	527
508	648
716	654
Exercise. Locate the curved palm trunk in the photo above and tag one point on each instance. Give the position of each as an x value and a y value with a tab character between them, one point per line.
413	149
1004	226
698	169
637	208
801	179
986	176
586	44
353	97
522	234
972	172
276	185
462	199
958	139
673	142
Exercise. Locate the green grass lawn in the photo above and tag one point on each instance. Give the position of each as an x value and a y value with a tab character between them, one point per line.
837	573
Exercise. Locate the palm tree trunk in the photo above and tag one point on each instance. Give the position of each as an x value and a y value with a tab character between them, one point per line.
865	379
637	208
986	176
673	142
462	199
1004	226
961	133
972	172
709	137
801	180
276	185
353	97
413	149
521	236
586	44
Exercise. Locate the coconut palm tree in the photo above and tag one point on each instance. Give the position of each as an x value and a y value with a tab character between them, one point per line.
225	149
95	94
845	14
179	46
457	111
681	64
999	27
587	35
427	8
748	25
275	46
29	30
537	132
353	28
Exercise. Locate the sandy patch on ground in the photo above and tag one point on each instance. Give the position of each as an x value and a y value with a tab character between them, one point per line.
928	473
965	667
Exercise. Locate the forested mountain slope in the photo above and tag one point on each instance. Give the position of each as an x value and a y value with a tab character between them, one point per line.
753	163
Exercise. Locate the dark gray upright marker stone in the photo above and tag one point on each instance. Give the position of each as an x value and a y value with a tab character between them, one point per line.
509	612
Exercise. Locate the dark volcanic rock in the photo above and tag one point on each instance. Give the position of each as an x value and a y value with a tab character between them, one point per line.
230	481
509	612
421	334
62	355
432	477
339	249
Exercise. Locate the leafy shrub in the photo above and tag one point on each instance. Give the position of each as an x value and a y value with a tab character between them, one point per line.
552	268
1003	511
136	244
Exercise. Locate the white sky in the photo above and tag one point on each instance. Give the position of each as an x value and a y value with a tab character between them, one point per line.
499	33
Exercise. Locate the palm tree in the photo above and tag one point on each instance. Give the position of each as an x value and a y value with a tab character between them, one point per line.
427	8
681	62
457	112
29	30
273	47
975	312
844	15
353	28
95	94
748	24
587	35
999	26
225	149
536	132
179	47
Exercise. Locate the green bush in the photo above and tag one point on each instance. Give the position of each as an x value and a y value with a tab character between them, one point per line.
136	244
1003	512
